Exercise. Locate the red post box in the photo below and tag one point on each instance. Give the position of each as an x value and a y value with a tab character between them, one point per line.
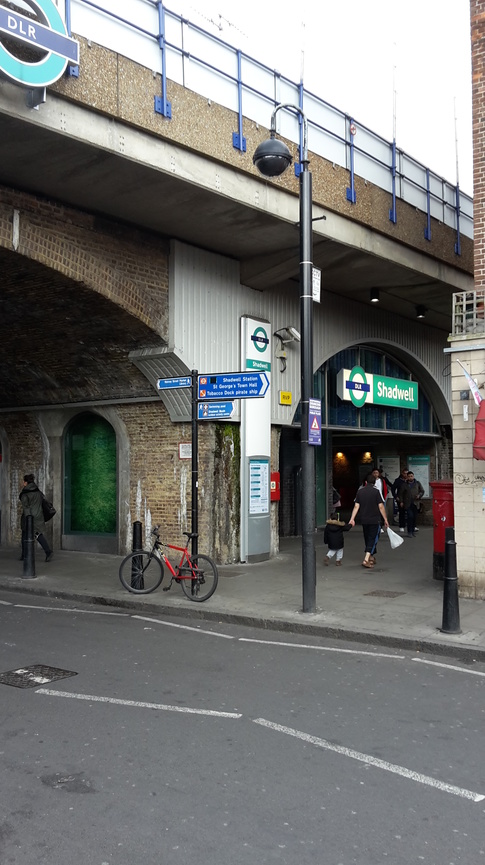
443	518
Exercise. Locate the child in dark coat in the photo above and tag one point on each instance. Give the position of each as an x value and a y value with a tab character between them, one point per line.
334	537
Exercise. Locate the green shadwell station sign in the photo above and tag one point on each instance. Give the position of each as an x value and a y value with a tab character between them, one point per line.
359	387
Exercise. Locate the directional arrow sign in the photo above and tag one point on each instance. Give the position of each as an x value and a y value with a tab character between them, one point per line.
214	410
233	385
169	383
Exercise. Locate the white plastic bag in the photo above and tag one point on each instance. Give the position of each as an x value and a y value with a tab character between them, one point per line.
394	539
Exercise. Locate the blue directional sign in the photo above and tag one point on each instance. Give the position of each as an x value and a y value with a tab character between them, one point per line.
214	410
233	385
169	383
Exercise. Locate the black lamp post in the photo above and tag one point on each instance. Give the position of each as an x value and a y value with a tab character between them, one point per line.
272	158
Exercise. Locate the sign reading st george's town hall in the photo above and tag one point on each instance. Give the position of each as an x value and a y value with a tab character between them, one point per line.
47	32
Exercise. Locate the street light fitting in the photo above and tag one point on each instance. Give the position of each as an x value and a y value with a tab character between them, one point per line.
272	157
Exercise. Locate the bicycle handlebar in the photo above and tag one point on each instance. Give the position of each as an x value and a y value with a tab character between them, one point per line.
156	531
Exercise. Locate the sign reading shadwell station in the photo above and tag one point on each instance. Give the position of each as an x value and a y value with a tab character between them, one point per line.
361	387
48	34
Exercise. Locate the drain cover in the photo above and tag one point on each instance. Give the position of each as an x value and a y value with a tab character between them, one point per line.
381	593
33	676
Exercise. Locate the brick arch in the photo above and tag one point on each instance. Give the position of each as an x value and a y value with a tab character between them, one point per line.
127	266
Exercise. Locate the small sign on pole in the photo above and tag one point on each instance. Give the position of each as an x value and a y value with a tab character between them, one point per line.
316	283
172	383
215	410
315	422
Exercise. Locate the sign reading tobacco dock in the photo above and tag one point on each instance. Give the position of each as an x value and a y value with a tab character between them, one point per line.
48	34
233	385
361	387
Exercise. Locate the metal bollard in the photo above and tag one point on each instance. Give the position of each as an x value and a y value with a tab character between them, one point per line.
451	612
137	581
28	549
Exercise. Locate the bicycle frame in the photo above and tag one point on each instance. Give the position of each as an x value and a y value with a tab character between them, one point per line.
177	571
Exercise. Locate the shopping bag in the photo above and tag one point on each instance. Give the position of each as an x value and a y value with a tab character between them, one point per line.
394	539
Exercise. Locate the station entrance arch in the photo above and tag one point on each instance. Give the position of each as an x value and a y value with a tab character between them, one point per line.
355	439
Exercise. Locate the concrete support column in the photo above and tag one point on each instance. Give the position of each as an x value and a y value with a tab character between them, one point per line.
468	473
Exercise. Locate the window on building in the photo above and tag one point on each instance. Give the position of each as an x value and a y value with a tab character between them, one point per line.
337	413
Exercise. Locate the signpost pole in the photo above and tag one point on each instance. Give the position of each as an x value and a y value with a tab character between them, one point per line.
195	460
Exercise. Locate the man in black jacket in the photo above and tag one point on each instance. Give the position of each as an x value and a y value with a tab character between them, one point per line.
410	493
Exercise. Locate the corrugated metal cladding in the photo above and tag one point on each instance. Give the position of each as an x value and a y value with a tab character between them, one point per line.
207	302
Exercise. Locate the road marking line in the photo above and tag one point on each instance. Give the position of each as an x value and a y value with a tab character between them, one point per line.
448	667
372	761
69	610
91	698
6	603
184	627
322	648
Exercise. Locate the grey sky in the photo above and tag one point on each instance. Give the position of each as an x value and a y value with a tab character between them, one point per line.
354	52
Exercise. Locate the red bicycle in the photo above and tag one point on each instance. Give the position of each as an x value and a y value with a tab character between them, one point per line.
141	572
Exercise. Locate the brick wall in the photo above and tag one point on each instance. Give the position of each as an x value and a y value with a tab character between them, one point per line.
63	270
158	482
125	265
477	22
26	455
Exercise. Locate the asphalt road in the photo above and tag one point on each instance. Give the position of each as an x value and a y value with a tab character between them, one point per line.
215	744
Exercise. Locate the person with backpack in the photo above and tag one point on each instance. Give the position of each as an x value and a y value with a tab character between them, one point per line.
31	501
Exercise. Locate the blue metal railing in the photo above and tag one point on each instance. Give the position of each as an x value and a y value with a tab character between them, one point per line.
251	89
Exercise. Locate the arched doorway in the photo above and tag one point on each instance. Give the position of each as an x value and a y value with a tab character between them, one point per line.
90	514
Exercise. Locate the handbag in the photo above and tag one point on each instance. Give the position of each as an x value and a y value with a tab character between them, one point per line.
394	539
48	509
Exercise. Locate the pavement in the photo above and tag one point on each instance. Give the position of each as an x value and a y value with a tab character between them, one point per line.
397	604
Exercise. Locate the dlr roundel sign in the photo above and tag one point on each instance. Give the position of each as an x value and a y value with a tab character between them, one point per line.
48	33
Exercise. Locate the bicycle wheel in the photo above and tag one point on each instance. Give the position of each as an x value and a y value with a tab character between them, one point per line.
199	582
141	573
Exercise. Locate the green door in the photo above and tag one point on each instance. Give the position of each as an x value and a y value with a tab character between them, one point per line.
90	489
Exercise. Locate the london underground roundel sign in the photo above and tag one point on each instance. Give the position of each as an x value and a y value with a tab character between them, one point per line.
48	33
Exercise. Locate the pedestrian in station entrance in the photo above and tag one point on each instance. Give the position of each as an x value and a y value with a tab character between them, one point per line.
396	488
410	493
370	507
418	493
380	483
388	496
31	501
333	536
